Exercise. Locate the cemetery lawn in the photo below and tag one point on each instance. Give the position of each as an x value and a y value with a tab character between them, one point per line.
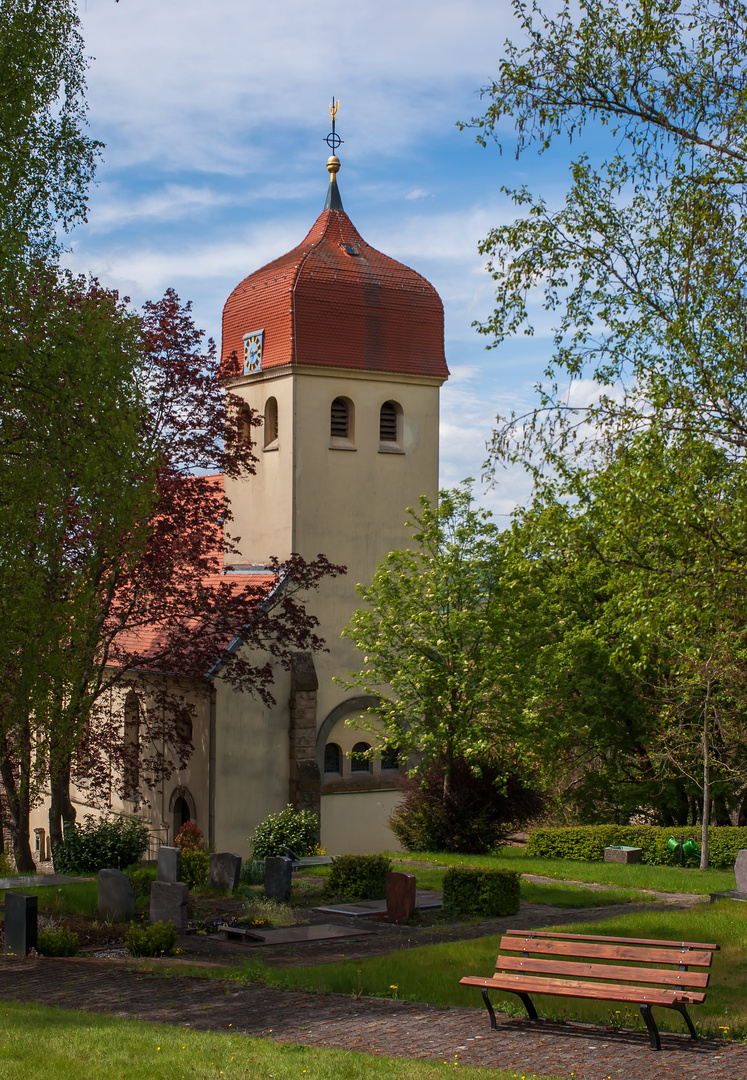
57	1044
631	875
431	973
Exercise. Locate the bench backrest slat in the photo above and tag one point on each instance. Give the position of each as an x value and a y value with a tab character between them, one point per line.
660	976
611	940
602	951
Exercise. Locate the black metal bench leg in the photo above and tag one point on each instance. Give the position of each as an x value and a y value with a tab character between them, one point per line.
490	1009
684	1013
528	1005
653	1030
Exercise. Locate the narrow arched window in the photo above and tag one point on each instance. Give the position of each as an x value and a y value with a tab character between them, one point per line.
245	425
388	422
358	761
271	423
339	421
332	758
390	757
131	745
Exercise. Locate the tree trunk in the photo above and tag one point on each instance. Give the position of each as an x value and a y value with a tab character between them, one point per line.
19	810
706	781
61	810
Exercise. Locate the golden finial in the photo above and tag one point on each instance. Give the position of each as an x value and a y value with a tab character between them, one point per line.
334	106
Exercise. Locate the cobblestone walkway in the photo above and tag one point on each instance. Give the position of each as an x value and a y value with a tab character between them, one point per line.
374	1026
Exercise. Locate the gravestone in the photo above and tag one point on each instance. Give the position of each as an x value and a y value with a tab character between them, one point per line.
400	896
169	863
20	922
278	873
740	872
116	898
225	868
168	903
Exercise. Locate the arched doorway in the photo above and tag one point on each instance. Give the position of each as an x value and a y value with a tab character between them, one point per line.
182	809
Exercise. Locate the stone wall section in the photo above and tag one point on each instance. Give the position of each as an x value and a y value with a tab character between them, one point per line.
305	787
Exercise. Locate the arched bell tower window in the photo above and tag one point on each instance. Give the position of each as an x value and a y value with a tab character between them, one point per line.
271	424
245	425
131	746
342	424
390	428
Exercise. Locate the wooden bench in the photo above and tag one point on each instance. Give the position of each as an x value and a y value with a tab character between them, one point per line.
563	964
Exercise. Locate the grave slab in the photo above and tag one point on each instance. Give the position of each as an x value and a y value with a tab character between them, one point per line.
116	898
20	922
168	903
424	899
225	868
169	863
278	874
292	934
400	896
618	853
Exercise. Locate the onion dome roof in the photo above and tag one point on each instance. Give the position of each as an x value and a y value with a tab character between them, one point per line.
336	302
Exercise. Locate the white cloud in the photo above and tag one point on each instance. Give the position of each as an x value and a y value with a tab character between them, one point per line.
418	193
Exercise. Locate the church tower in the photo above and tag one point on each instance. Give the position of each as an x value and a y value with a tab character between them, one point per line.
341	351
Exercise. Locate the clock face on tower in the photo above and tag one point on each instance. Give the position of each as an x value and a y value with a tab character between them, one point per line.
253	351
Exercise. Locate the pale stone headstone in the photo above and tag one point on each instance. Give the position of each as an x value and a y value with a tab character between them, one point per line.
400	896
278	874
225	868
116	898
740	871
169	863
168	902
20	922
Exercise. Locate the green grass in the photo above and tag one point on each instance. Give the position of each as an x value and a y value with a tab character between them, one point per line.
573	896
55	1044
431	974
80	898
632	876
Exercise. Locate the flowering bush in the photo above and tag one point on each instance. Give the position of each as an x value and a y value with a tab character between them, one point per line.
295	829
189	836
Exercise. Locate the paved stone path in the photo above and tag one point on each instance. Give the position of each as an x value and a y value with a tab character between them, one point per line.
374	1026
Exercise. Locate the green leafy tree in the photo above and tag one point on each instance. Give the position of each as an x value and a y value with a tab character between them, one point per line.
437	632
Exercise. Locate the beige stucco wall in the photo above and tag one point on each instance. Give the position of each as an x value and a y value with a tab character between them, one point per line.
354	823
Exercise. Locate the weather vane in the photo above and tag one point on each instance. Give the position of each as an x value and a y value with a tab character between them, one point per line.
333	140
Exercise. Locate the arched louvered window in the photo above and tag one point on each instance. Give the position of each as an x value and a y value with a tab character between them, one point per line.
271	423
388	422
339	420
359	763
131	745
332	758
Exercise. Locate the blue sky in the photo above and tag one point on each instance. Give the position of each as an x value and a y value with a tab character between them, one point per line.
214	117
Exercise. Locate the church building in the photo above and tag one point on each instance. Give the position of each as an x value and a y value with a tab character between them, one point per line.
341	351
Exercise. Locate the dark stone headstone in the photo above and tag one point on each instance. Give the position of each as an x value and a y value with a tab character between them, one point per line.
623	854
400	896
168	903
169	863
225	868
278	874
740	872
20	922
116	898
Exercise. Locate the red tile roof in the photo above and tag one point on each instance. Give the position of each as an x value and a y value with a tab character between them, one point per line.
321	304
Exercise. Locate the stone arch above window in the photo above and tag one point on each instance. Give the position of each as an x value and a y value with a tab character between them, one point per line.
342	424
271	424
332	758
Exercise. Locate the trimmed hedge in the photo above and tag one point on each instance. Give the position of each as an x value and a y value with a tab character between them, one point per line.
489	893
358	877
587	843
100	843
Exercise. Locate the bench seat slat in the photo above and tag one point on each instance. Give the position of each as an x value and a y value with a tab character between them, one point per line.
603	971
571	988
605	952
613	940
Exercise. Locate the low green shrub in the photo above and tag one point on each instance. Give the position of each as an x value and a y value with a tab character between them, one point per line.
189	836
157	940
7	869
587	843
100	844
252	873
141	879
262	912
195	866
60	942
489	893
295	829
358	877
